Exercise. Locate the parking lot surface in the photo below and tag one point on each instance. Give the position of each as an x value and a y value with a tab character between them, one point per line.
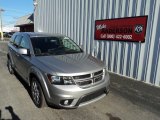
16	104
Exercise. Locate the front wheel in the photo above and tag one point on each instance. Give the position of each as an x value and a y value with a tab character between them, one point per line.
37	93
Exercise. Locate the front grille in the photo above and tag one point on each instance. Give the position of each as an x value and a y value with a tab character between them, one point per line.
84	82
82	76
98	73
88	79
98	78
91	96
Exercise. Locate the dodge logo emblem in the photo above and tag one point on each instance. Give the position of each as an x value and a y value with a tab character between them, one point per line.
138	29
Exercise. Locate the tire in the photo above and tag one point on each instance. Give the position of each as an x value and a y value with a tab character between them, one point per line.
10	68
37	93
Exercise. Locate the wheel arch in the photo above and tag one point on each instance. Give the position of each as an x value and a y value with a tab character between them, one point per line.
10	57
34	72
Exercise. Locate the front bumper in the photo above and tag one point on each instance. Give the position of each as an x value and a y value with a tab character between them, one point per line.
76	95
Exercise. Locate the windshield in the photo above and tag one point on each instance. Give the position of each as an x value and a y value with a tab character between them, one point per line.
44	46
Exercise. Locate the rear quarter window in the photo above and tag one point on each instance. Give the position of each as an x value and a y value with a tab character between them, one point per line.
17	40
12	38
24	43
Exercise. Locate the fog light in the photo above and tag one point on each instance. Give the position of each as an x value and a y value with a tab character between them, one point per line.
66	102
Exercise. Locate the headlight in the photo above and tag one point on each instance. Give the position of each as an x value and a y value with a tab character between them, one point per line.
104	71
60	80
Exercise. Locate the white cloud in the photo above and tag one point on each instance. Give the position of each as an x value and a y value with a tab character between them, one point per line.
10	28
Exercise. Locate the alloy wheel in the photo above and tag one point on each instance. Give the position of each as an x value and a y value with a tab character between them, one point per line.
35	93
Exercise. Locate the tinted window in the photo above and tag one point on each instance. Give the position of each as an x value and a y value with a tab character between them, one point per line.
54	46
24	43
12	38
17	40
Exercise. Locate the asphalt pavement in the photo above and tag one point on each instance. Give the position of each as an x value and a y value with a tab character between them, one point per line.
16	104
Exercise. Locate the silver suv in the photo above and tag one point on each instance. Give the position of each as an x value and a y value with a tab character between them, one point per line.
57	70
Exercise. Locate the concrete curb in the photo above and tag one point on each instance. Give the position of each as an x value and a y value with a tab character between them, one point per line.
137	92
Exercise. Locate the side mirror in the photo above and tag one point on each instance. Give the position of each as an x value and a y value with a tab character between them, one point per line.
23	51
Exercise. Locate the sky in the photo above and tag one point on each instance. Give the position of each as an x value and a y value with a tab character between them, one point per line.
15	9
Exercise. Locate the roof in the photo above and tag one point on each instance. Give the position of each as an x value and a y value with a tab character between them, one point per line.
38	34
25	20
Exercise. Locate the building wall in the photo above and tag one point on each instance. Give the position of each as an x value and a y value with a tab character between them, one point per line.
76	19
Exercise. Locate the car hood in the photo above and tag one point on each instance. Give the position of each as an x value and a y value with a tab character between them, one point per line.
71	63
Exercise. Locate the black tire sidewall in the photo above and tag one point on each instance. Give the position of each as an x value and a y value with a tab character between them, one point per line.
8	64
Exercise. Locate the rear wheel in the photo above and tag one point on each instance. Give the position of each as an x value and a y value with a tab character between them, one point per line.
10	68
37	93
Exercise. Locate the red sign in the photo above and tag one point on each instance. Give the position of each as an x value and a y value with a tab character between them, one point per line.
121	29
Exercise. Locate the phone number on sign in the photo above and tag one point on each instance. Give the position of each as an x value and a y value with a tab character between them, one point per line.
113	36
